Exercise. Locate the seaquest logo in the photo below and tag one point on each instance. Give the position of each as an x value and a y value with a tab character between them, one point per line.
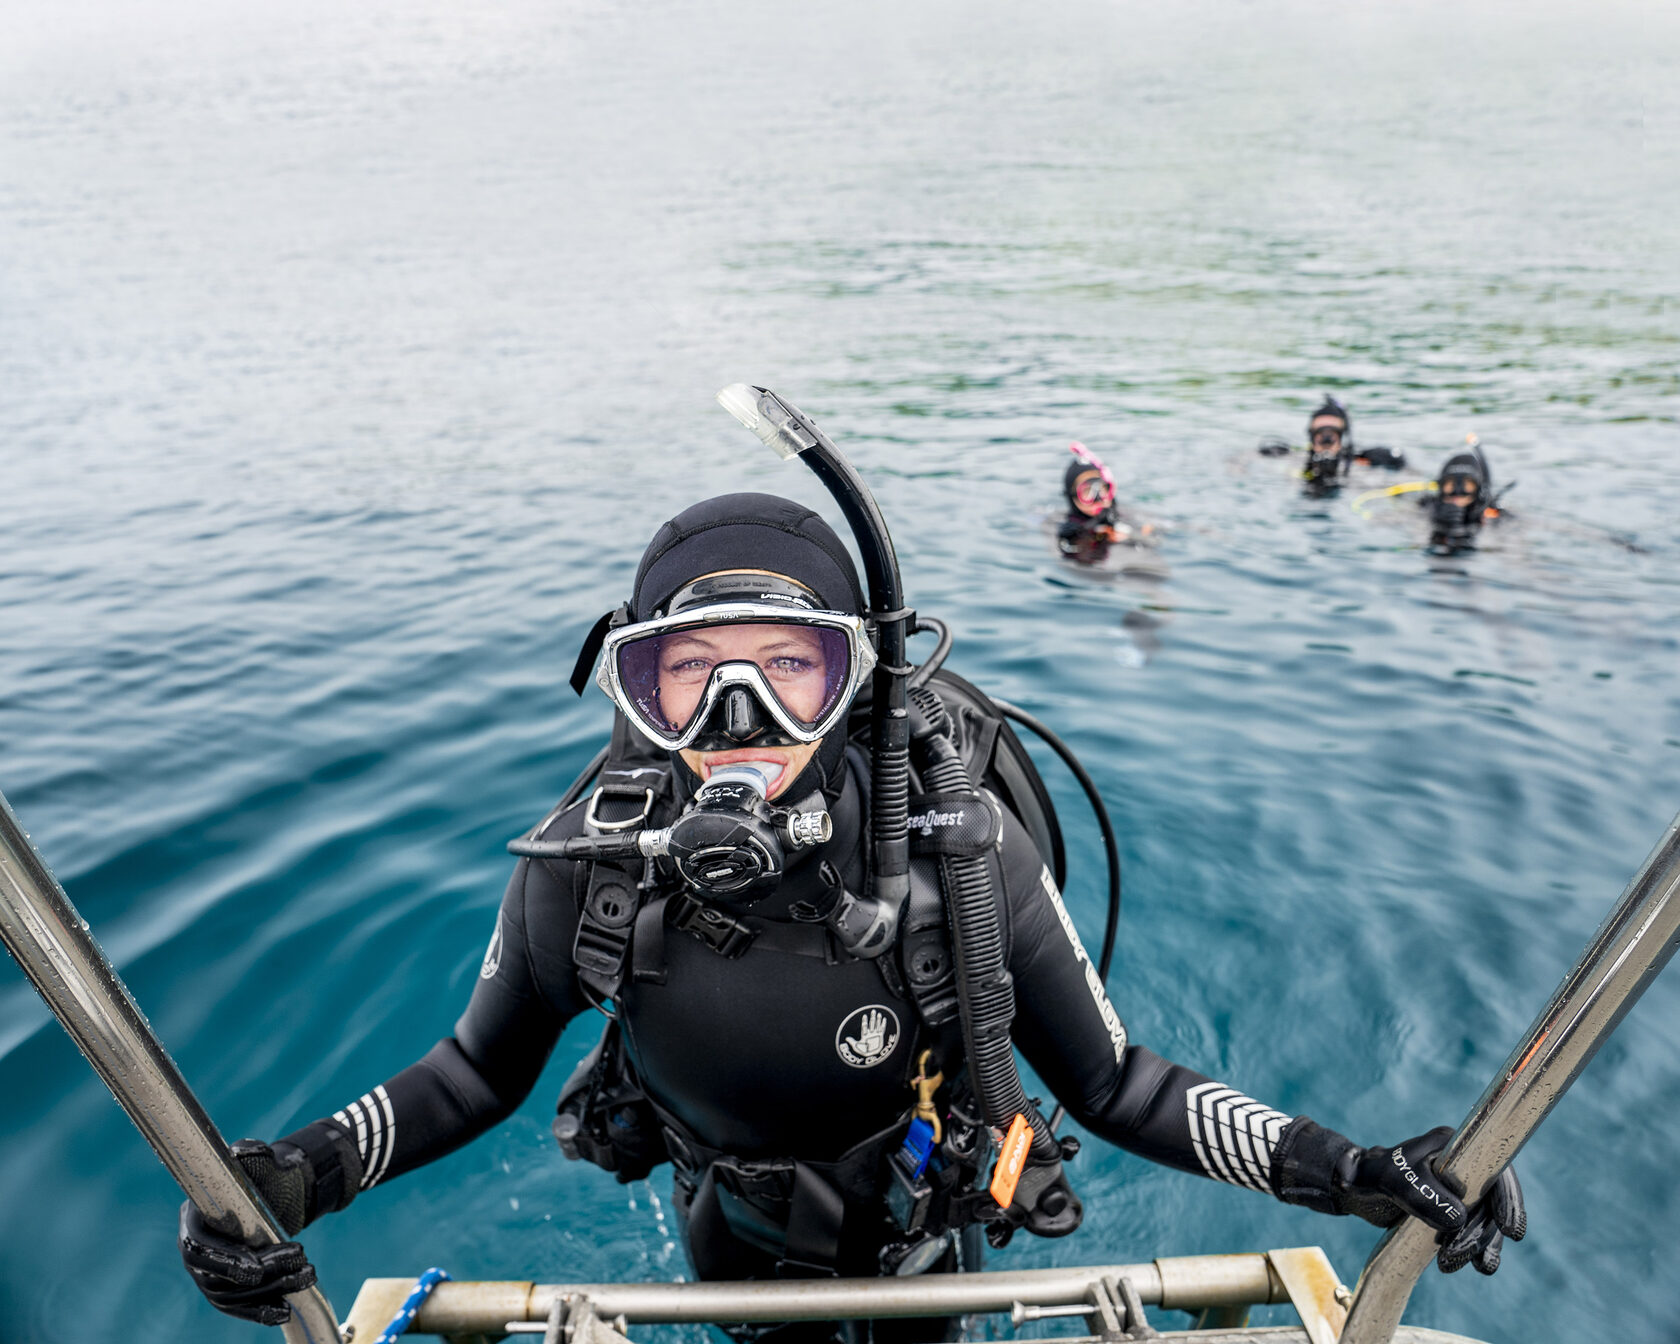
867	1036
1427	1191
926	821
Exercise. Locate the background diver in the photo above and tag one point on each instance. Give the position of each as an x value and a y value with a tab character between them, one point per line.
1330	450
1095	520
790	1028
1463	499
1459	500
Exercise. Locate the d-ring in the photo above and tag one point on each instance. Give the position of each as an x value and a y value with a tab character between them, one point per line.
592	820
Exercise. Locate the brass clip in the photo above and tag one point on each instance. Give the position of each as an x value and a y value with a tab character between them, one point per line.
925	1088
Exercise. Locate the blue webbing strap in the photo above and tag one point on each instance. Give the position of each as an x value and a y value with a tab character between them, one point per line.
411	1305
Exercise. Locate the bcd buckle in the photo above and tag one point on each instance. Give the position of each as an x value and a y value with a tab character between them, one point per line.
725	936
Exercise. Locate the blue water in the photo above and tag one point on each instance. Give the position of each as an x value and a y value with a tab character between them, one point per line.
349	358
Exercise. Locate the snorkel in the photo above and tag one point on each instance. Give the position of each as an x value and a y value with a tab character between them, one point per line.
872	922
1042	1200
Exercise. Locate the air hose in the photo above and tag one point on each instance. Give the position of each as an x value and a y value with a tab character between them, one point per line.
984	986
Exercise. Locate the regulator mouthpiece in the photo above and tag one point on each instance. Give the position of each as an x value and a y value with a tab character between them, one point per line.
731	845
742	775
763	412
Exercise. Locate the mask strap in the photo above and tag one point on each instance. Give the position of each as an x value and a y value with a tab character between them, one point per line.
592	643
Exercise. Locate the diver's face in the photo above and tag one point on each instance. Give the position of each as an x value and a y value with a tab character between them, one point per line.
791	658
1325	435
1091	494
1459	491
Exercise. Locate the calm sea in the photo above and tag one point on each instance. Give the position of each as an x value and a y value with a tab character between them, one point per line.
349	355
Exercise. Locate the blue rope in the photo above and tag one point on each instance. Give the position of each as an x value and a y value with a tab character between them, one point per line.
411	1305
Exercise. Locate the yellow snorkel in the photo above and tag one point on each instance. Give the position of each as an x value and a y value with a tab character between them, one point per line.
1404	488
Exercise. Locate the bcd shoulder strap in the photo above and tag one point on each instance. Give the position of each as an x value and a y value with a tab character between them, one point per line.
633	790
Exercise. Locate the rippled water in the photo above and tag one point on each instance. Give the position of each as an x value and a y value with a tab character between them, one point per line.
348	359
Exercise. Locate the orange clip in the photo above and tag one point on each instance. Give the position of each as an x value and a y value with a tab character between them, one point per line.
1012	1159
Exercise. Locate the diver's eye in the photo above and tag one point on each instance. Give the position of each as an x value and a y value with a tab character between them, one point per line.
684	669
791	665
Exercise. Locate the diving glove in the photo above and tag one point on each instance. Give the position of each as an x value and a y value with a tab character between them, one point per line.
248	1281
1377	456
317	1170
1321	1169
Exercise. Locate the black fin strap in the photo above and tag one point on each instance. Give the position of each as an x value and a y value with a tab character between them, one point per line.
592	642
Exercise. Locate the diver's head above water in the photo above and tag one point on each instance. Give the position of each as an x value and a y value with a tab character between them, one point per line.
1088	484
744	644
1329	443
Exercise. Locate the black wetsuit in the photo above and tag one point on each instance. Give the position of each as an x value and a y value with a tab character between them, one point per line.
1088	540
775	1054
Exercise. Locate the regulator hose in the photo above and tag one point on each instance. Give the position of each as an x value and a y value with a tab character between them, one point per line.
1111	846
931	625
984	986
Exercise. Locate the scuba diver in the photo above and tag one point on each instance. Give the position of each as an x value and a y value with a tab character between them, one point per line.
1463	500
1459	500
1330	450
1094	520
816	892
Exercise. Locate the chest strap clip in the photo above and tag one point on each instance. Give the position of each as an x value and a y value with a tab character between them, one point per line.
726	936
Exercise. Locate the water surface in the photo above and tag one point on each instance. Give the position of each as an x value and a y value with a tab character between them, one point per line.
349	359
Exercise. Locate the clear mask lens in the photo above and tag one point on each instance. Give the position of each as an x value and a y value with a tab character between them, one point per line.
666	675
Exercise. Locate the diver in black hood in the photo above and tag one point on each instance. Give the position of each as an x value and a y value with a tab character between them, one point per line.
1463	500
1095	520
817	957
1329	447
1330	450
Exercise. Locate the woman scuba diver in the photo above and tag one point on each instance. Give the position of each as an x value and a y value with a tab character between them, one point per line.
817	940
1094	520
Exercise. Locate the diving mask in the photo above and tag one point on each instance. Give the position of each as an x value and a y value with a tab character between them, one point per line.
761	664
1091	490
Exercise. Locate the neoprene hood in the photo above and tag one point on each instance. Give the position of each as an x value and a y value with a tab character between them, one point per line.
1332	407
746	531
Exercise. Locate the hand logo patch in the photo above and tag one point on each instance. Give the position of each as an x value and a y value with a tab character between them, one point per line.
867	1036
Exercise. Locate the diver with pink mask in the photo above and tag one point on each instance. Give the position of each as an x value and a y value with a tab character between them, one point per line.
1095	520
